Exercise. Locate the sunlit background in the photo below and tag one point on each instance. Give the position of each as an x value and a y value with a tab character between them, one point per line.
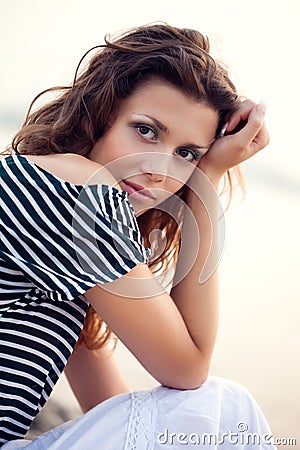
42	41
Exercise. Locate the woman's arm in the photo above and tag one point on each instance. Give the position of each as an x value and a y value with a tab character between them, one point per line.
198	301
174	343
151	327
94	376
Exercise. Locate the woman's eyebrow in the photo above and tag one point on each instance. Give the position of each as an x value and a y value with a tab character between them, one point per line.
157	123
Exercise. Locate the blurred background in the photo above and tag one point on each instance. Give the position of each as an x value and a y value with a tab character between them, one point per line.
258	345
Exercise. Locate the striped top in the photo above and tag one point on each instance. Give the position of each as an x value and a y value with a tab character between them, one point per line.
57	241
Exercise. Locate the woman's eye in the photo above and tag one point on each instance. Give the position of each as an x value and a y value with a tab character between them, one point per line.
188	155
147	132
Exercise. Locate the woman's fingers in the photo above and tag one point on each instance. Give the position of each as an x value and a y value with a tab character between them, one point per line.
260	141
253	136
240	115
246	134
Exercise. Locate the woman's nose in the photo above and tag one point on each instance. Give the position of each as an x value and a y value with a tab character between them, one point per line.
154	176
155	166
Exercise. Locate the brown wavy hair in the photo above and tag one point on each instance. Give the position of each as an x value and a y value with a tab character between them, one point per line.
86	110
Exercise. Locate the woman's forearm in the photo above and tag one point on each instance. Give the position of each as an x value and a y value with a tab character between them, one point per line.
103	378
196	294
198	302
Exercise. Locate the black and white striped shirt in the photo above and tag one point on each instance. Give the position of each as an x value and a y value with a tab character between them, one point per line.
57	241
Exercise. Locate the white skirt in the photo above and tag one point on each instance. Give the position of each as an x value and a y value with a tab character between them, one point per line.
221	414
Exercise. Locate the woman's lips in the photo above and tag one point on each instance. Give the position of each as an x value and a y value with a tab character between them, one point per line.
138	191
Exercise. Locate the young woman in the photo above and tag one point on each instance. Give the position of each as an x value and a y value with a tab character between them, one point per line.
138	144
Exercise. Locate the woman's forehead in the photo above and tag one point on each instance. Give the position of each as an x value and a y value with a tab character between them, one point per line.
163	102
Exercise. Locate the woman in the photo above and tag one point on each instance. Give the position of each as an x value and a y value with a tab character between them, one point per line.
148	130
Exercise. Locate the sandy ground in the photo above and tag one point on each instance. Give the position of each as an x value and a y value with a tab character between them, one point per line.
258	341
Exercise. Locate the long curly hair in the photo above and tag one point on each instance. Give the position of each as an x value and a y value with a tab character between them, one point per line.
83	112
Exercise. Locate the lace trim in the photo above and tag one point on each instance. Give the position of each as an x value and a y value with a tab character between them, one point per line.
140	433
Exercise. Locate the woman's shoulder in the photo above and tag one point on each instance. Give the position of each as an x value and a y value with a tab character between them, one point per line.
74	168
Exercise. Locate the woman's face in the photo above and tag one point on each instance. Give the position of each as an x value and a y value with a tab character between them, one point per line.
155	142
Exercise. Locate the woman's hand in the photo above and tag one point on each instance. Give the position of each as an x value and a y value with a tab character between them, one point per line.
237	146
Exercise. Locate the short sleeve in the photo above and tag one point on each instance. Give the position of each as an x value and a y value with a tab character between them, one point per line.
66	239
106	235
